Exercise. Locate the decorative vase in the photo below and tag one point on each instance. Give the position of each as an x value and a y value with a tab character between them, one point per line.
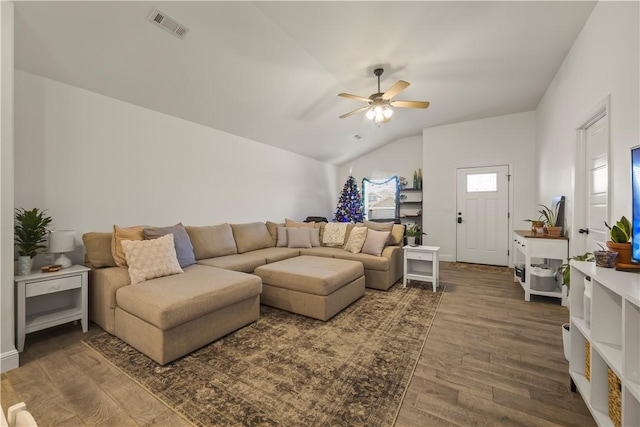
24	265
624	253
411	240
605	259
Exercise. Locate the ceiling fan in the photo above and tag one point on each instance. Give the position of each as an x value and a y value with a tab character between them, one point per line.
379	104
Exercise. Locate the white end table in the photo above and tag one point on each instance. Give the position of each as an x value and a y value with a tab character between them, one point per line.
421	263
44	300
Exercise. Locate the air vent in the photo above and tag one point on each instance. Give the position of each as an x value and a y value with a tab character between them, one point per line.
168	24
357	137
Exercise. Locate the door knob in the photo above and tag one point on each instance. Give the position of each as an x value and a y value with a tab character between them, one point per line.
583	231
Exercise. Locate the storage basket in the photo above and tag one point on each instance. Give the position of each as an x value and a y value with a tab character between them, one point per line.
587	361
615	398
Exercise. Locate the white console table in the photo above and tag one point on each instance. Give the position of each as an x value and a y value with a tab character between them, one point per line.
421	263
44	300
613	334
532	246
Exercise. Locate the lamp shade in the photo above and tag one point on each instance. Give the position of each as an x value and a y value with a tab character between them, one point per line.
62	241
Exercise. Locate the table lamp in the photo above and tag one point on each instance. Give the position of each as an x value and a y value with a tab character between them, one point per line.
62	241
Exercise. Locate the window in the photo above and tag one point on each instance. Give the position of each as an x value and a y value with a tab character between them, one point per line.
380	198
482	182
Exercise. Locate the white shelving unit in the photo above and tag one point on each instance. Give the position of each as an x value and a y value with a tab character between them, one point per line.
614	337
534	248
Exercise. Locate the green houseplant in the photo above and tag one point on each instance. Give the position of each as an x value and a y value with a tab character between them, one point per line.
550	217
619	241
30	229
412	233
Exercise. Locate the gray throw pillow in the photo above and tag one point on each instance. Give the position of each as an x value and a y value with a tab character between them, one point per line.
375	242
298	238
181	241
282	237
315	237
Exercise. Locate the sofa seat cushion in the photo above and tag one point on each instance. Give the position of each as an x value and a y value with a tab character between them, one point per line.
245	263
370	262
170	301
324	251
276	254
310	274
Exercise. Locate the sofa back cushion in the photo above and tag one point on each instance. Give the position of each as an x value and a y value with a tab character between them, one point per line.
212	241
251	237
181	241
98	249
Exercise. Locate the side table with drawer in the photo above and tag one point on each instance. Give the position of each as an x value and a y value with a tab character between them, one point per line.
44	300
421	263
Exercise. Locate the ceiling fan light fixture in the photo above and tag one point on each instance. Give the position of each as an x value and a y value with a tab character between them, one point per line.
371	114
388	112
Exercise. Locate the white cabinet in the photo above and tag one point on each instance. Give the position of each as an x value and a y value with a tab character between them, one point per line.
44	300
530	249
613	336
421	263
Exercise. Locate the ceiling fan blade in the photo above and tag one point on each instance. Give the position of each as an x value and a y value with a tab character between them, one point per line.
356	97
354	112
395	89
409	104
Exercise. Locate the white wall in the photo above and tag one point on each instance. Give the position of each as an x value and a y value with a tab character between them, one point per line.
8	352
603	61
505	140
93	161
400	157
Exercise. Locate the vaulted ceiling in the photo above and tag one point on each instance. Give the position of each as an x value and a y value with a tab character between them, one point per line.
271	71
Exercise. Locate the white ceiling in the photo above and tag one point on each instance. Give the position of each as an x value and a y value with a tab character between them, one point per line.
271	71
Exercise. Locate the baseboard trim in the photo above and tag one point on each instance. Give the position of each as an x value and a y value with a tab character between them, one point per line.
9	360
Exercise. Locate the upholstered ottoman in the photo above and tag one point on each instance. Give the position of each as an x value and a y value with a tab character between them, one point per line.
316	287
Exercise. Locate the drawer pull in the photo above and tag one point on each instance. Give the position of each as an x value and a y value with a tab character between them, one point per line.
55	287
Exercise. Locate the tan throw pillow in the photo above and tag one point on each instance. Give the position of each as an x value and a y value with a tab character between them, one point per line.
210	241
356	240
375	241
273	230
295	224
120	234
378	226
282	237
397	235
98	249
321	226
298	238
314	234
149	259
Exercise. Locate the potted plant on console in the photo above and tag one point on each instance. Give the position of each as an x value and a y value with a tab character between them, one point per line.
550	217
412	233
619	236
29	231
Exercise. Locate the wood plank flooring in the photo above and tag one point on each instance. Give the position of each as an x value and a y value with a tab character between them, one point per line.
490	359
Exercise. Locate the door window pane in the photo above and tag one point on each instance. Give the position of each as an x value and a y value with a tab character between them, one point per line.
482	182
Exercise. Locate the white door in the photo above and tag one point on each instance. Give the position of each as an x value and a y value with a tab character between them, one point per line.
596	185
483	215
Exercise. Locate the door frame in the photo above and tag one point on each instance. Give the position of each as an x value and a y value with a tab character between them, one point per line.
509	203
601	109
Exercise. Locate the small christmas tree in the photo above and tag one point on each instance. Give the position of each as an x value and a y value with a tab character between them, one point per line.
350	207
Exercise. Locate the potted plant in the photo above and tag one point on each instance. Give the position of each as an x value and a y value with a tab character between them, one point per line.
29	230
413	232
550	218
536	225
619	241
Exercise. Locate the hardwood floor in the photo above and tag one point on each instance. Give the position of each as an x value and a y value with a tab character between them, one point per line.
490	359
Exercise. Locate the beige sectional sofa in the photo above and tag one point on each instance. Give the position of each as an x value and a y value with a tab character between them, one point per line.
168	317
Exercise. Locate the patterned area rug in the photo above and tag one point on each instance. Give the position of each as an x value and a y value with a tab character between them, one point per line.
290	370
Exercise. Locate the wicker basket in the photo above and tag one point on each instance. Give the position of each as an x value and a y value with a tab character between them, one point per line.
615	398
587	361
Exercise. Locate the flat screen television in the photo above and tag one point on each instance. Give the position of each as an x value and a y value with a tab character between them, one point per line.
635	195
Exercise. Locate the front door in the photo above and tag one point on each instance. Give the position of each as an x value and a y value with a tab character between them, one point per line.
483	215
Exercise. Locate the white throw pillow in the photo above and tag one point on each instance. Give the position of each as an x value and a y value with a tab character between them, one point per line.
356	240
148	259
